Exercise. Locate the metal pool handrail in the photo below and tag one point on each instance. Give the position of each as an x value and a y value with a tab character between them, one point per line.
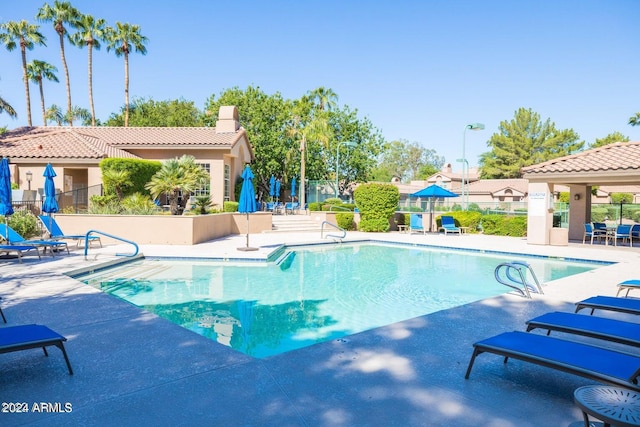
344	232
519	283
86	242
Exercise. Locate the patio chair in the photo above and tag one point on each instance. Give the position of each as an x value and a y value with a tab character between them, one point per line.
415	224
291	207
627	333
13	238
591	233
19	250
55	232
622	305
628	285
25	337
589	361
635	231
623	232
449	225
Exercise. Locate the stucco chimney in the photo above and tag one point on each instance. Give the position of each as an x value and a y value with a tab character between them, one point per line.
446	168
228	121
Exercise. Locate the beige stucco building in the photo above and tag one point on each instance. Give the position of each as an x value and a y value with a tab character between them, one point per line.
75	152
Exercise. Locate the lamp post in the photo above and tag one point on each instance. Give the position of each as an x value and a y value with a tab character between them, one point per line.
29	176
465	163
348	144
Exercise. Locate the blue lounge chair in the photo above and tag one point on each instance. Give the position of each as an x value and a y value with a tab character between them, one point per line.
590	326
415	224
19	250
55	232
13	238
628	285
449	225
24	337
622	305
4	319
593	362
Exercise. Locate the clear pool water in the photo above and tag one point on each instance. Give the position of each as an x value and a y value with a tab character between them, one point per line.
315	294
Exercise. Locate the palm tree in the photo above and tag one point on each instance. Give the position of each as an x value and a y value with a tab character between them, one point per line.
90	32
5	107
14	33
177	177
54	114
77	113
60	14
123	39
325	97
635	120
36	71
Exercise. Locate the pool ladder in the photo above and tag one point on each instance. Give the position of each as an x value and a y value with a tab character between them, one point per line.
90	232
330	224
514	275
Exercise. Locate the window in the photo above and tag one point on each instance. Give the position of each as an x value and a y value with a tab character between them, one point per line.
205	188
227	182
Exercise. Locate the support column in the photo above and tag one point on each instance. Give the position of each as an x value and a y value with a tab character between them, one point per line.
540	213
579	210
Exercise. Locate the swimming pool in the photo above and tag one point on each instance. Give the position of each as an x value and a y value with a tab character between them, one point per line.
312	294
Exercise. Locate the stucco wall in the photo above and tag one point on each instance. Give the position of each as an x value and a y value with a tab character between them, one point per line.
165	229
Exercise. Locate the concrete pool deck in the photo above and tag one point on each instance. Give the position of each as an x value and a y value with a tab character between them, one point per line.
133	368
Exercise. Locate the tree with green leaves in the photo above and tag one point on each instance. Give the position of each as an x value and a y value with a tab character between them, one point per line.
325	98
635	120
169	113
123	40
25	35
37	71
177	178
77	113
54	114
5	107
90	33
61	14
408	161
609	139
524	141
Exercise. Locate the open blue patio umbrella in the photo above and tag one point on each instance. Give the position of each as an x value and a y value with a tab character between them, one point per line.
247	203
433	192
272	187
6	208
293	188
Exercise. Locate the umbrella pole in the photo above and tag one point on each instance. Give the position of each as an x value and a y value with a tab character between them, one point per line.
247	229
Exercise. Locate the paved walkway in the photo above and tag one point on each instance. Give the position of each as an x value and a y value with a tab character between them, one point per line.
134	368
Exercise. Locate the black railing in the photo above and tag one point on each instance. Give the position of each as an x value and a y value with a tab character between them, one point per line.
75	201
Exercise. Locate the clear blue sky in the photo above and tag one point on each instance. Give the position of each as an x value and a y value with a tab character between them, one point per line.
419	70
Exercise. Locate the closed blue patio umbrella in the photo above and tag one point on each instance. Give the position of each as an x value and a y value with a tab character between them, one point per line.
6	208
247	203
293	188
50	204
433	192
277	190
272	187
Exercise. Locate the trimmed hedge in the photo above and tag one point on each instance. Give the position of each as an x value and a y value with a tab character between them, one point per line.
345	220
377	204
501	225
140	173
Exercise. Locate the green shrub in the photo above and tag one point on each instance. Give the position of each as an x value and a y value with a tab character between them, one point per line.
230	207
618	198
315	207
139	171
24	223
598	214
377	204
502	225
202	204
333	201
345	220
138	204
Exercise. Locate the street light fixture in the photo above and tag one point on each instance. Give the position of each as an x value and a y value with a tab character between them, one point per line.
465	163
348	144
29	176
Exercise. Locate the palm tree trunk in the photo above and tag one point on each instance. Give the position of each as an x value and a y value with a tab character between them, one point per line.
26	85
44	118
126	89
66	72
93	111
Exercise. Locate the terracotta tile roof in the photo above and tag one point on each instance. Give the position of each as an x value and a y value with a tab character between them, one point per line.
101	142
498	185
621	156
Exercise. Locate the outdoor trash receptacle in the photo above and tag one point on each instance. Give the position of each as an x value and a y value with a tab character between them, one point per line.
559	236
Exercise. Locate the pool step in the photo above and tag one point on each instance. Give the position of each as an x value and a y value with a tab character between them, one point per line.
294	223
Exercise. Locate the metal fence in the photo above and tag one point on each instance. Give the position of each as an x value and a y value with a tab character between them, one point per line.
75	201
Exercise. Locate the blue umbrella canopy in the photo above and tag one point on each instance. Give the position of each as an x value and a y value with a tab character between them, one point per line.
50	204
6	208
293	188
434	191
277	192
247	202
272	186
